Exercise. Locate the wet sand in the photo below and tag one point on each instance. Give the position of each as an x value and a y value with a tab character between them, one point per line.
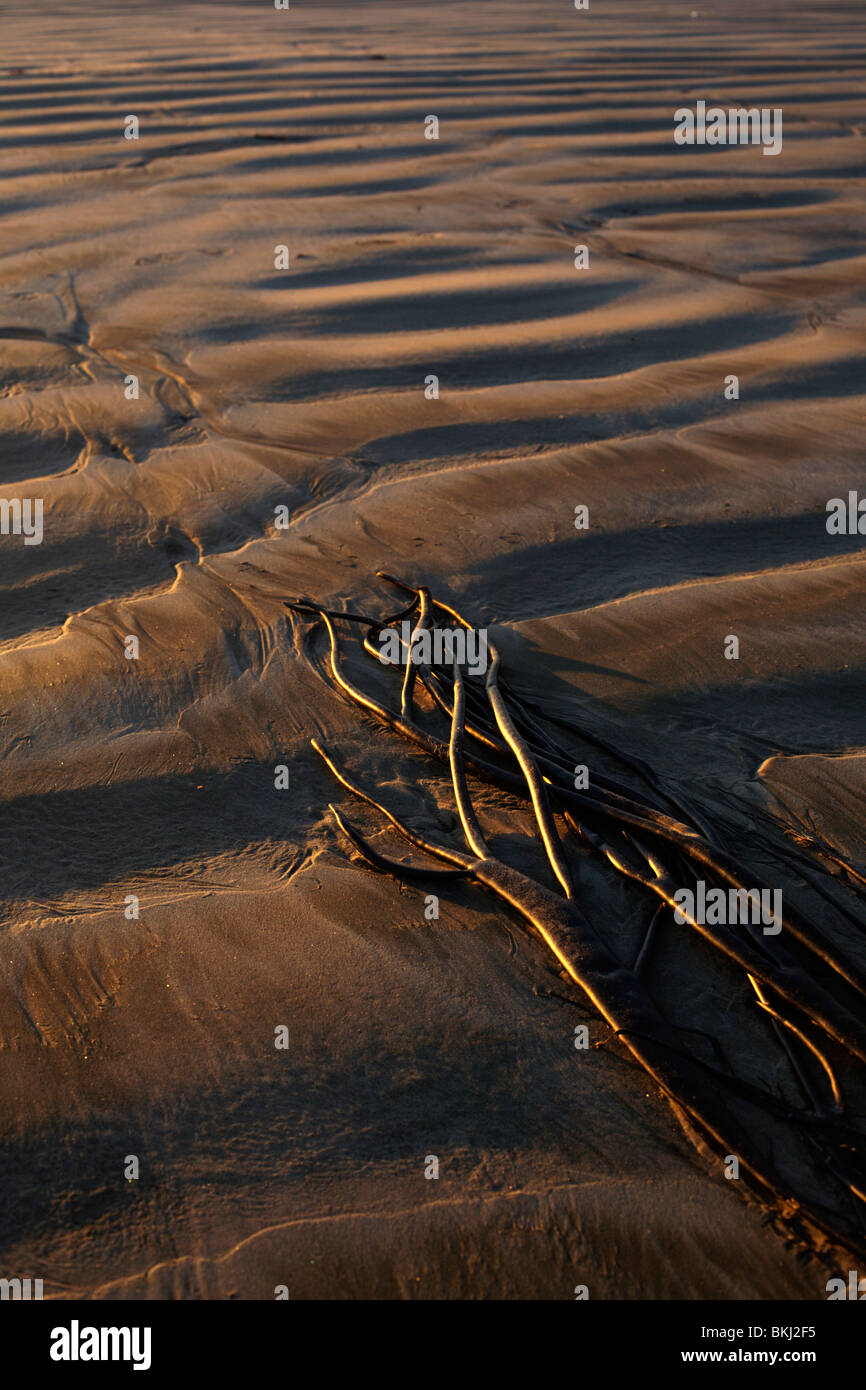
304	388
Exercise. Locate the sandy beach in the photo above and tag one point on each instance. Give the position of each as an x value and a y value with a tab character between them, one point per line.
214	426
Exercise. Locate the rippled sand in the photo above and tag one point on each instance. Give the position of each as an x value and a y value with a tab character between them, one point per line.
304	388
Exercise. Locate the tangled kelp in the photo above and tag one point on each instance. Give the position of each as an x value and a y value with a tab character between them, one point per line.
781	1083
